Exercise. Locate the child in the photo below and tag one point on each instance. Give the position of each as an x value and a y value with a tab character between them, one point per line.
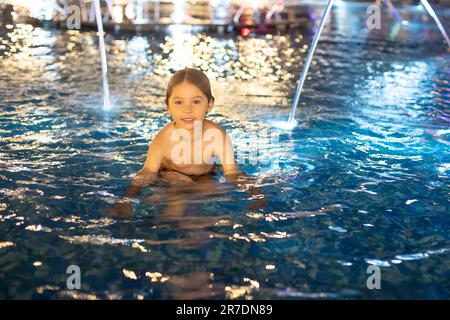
184	151
187	147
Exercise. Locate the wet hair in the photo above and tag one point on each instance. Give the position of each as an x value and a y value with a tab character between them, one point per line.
192	76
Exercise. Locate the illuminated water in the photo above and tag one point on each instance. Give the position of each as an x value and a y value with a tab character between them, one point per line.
363	179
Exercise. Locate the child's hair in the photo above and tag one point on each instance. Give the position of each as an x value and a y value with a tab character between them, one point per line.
192	76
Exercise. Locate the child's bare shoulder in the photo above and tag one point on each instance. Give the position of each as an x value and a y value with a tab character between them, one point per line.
164	134
211	125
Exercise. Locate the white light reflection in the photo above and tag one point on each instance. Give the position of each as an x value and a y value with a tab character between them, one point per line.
182	47
284	125
129	11
178	15
400	85
137	48
117	14
41	9
140	12
397	87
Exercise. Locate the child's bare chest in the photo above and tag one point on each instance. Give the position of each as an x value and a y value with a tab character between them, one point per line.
189	157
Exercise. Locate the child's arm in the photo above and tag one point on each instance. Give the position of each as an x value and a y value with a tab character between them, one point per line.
226	157
236	176
149	171
143	177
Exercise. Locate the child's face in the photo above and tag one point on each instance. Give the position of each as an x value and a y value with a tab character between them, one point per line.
188	104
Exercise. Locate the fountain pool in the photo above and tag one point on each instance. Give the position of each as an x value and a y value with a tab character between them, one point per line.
362	180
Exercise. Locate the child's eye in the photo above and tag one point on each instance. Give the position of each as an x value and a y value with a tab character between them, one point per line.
197	101
178	102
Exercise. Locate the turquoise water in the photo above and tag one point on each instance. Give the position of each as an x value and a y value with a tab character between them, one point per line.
362	180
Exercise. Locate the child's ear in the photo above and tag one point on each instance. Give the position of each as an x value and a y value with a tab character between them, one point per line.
210	105
168	110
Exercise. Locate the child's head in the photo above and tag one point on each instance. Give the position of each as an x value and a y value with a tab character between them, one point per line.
189	97
192	76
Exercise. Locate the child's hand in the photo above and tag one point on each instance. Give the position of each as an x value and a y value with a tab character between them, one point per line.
174	178
124	209
143	178
234	174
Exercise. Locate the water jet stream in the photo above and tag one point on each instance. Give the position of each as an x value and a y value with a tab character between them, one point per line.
430	10
291	120
101	33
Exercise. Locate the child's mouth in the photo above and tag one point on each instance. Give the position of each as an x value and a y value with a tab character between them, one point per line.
188	120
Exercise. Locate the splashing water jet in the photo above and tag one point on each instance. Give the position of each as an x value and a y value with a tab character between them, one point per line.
290	124
430	10
291	121
101	33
